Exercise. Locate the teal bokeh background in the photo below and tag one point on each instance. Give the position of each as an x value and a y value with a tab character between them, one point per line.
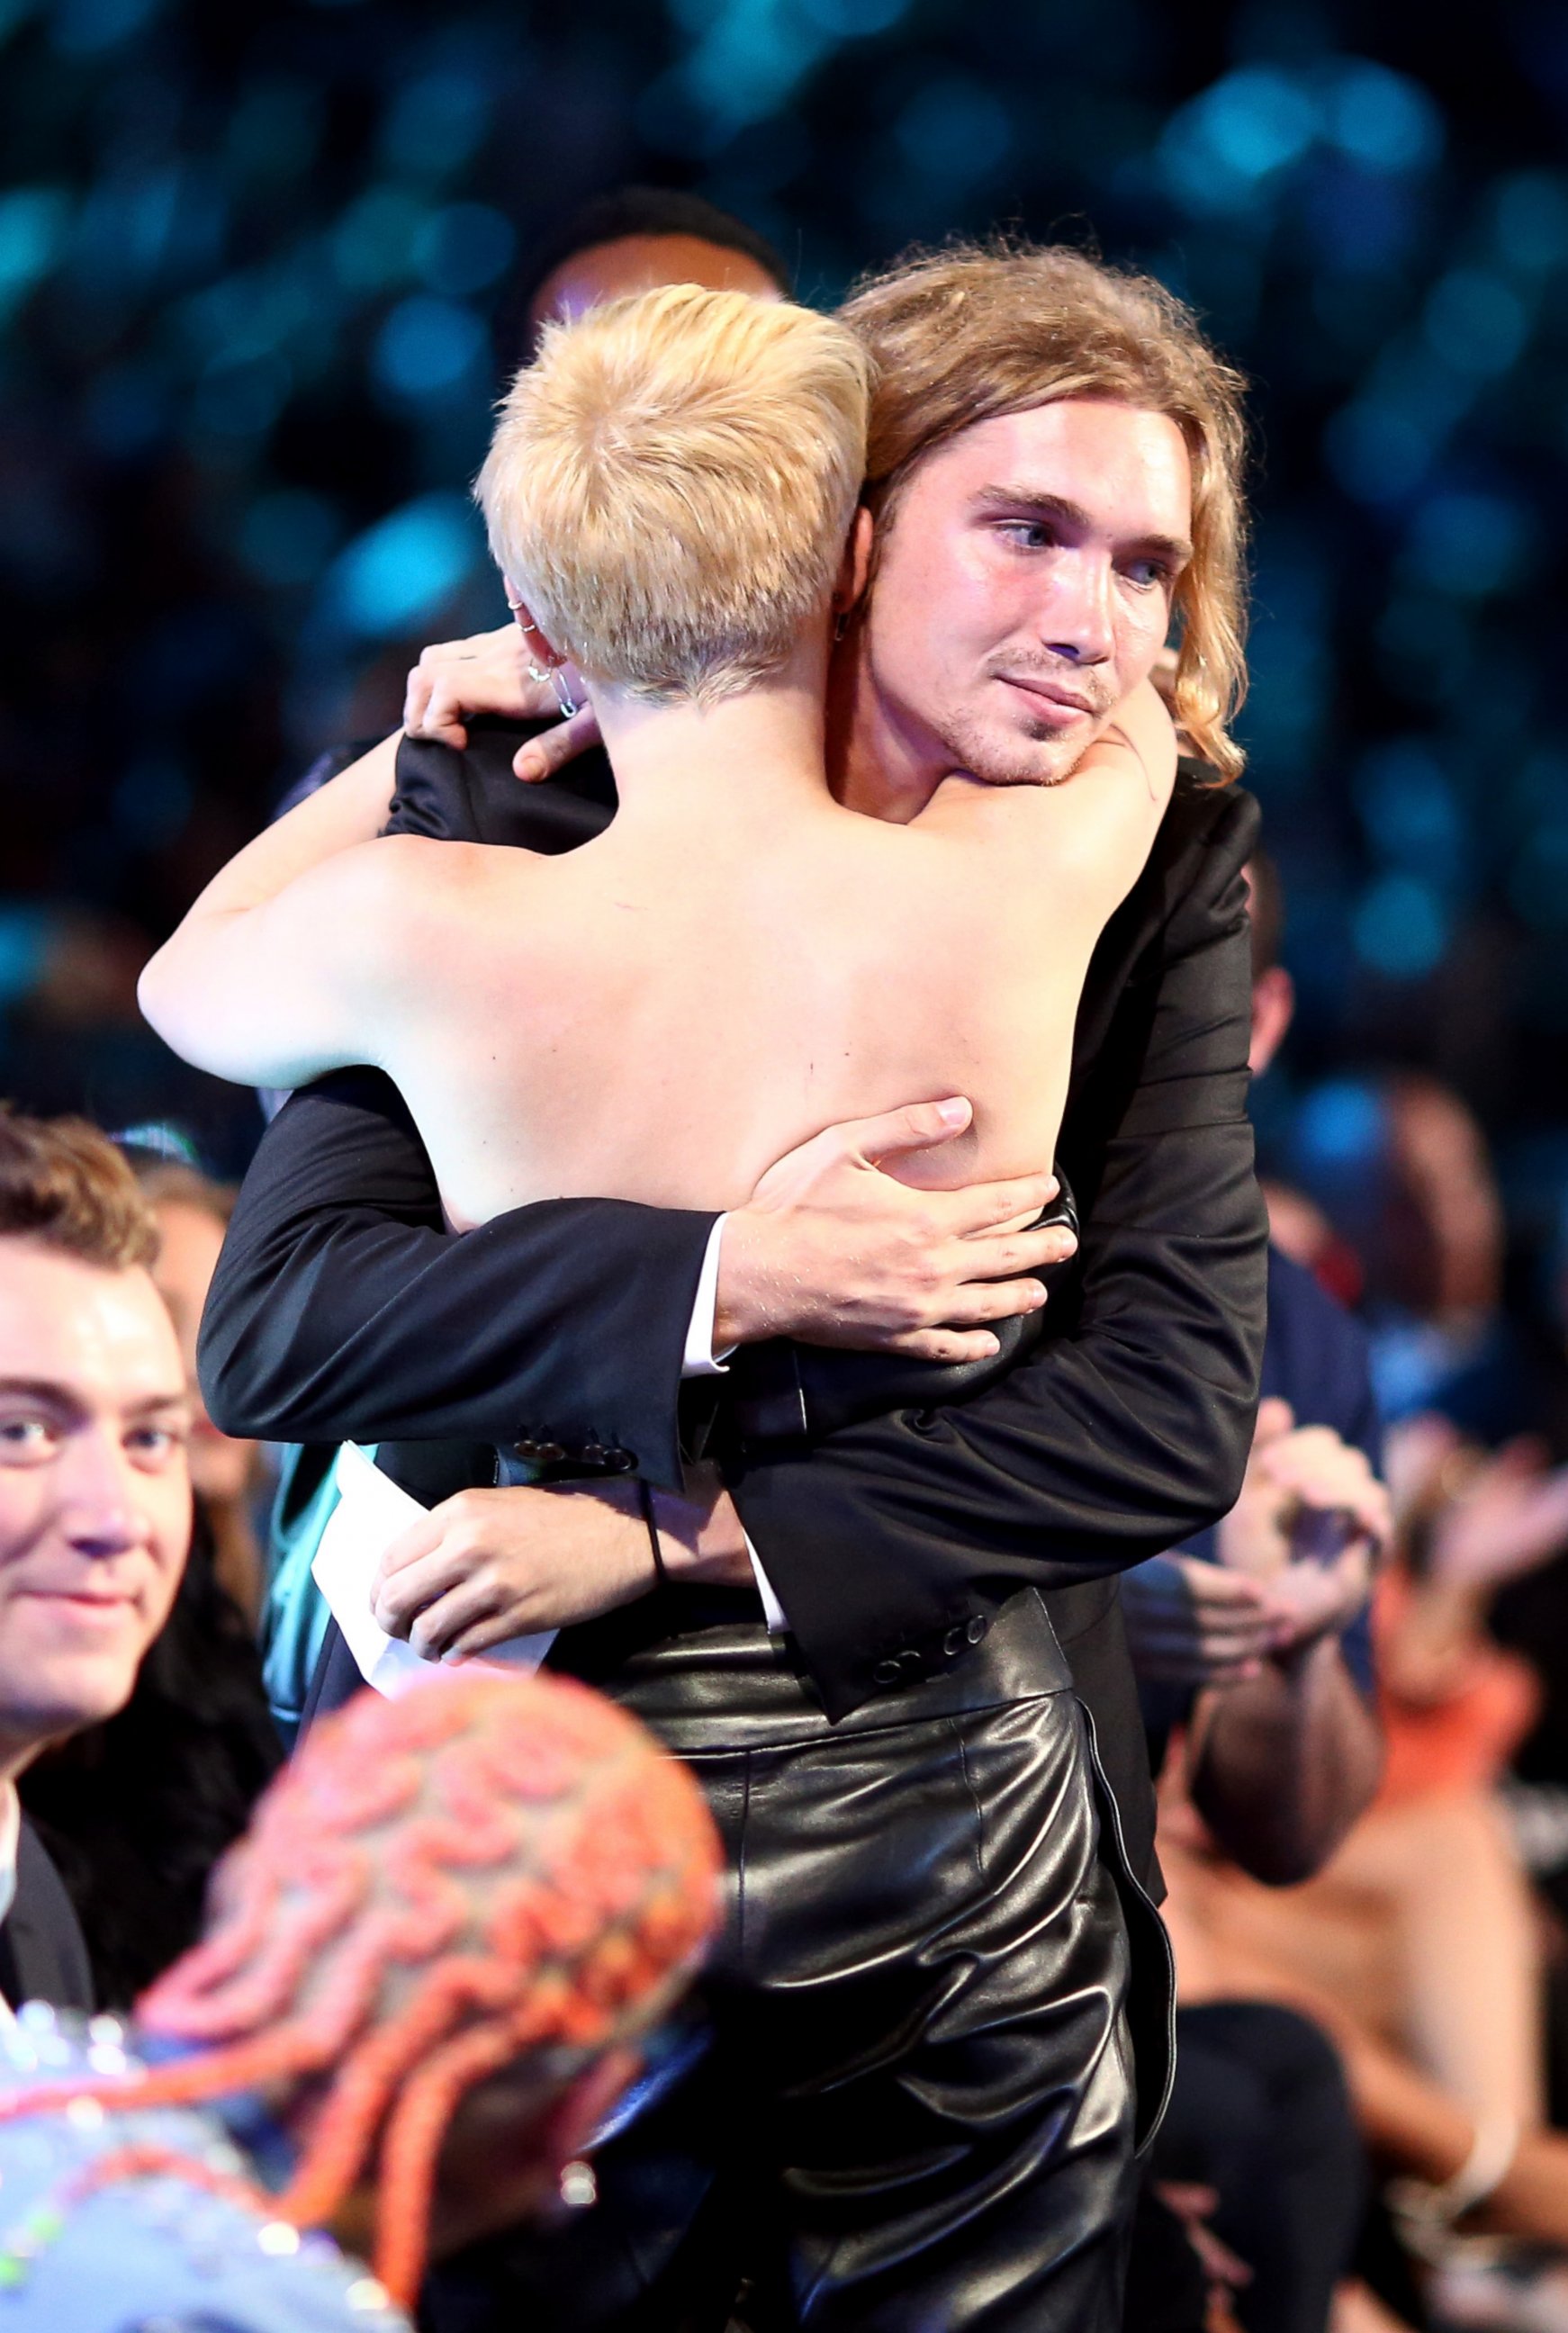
254	263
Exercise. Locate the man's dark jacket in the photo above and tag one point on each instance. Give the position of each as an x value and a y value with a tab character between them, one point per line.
43	1954
343	1310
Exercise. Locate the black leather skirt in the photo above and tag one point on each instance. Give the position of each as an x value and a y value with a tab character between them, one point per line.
910	2102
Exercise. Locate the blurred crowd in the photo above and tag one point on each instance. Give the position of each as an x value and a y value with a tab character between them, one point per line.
1423	1938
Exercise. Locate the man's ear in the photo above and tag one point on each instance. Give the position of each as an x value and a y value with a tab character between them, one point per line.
855	573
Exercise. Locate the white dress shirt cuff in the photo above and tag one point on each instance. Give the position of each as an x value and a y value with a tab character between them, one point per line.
772	1611
700	1359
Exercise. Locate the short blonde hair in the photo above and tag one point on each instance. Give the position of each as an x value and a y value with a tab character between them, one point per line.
964	334
671	483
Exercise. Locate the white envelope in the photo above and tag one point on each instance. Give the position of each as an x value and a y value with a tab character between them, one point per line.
369	1513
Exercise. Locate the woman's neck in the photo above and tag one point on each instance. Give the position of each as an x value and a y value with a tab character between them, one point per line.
741	758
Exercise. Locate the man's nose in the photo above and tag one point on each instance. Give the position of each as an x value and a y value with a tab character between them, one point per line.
1077	621
100	1511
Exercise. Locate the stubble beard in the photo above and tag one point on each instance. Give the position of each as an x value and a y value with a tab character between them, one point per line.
996	757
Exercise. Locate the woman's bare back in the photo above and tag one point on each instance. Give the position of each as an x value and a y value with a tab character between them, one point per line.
660	1015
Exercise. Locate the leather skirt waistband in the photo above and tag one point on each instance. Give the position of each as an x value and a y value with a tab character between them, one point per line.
699	1668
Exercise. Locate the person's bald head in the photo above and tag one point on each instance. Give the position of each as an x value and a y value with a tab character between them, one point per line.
644	263
637	238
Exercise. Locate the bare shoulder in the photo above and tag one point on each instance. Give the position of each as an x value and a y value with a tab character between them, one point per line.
413	883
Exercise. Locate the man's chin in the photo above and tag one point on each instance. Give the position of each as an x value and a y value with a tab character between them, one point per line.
49	1707
1002	755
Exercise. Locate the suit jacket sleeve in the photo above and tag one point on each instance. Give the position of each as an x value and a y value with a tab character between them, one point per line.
43	1954
343	1310
890	1542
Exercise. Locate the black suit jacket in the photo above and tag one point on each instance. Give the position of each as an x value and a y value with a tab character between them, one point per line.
342	1309
43	1953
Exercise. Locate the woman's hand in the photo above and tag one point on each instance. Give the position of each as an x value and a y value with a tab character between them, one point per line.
456	680
488	1565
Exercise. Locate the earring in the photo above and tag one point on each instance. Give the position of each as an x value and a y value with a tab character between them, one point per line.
551	673
840	624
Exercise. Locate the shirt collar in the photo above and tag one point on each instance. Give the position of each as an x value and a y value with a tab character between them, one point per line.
10	1837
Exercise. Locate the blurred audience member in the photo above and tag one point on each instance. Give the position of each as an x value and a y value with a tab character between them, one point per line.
1254	1644
193	1213
1399	1167
94	1491
1418	1946
1282	1751
136	1811
633	239
426	1980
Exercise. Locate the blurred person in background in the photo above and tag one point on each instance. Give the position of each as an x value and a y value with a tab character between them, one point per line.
95	1503
135	1813
428	1973
1203	1616
1398	1168
226	1473
1252	1649
1418	1946
633	239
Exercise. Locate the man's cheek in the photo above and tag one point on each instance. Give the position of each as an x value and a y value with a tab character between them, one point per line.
64	1686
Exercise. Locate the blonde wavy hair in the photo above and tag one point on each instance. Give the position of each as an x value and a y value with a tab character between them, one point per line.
671	482
963	334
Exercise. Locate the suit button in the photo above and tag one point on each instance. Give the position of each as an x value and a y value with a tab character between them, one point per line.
617	1461
525	1450
886	1673
954	1642
976	1629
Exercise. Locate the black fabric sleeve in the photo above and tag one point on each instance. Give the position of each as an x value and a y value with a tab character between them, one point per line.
342	1310
889	1543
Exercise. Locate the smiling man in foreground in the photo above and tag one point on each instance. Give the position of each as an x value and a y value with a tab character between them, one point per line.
94	1488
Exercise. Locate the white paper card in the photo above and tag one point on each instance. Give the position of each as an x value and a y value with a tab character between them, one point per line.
372	1510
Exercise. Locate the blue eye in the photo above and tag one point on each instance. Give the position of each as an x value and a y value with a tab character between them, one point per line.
155	1441
24	1437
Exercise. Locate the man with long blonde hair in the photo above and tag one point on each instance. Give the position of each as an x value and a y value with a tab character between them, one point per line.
923	2088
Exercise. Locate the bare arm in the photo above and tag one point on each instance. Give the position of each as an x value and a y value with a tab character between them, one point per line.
289	959
1284	1760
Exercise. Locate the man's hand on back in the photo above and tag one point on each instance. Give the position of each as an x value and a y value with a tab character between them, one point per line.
834	1251
830	1248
